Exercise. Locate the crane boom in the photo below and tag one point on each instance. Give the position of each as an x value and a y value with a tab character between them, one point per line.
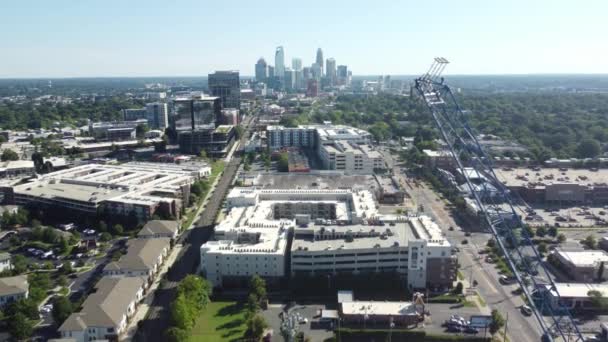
497	207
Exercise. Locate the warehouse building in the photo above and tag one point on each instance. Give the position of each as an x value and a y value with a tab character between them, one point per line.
330	232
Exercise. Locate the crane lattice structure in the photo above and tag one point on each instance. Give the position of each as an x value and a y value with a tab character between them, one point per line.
496	205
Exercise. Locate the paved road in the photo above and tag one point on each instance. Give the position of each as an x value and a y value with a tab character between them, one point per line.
157	322
497	296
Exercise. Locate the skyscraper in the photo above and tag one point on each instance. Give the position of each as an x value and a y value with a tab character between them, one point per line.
226	85
331	70
157	115
342	75
290	79
261	70
279	62
296	65
319	59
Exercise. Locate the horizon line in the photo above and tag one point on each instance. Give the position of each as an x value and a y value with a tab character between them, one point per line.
252	76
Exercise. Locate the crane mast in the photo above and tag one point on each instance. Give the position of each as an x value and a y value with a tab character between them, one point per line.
496	204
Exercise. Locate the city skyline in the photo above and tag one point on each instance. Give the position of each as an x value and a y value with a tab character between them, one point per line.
102	39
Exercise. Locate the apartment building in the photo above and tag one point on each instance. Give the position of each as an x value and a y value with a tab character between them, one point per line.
5	262
143	259
141	188
330	232
106	312
13	289
159	229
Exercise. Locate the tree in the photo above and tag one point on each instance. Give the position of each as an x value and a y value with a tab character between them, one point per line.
458	289
590	242
196	290
283	162
64	246
62	309
20	326
256	326
19	263
588	148
497	322
102	226
561	238
203	155
9	154
140	130
257	286
552	232
118	229
252	305
181	313
105	237
598	300
541	232
542	248
175	334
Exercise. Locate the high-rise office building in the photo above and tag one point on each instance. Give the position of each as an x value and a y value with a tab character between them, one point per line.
316	72
226	85
330	67
296	64
261	70
270	72
157	115
342	73
319	59
279	62
194	112
289	81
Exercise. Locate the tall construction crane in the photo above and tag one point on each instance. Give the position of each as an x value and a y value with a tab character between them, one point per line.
496	204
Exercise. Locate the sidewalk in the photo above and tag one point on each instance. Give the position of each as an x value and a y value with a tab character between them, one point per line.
144	306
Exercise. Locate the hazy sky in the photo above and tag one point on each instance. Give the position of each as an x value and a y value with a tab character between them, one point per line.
67	38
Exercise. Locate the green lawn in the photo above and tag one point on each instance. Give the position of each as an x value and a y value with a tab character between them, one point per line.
220	321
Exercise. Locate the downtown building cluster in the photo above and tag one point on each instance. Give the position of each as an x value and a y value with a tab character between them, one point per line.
319	75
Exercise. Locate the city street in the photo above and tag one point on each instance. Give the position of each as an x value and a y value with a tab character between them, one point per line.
497	296
157	321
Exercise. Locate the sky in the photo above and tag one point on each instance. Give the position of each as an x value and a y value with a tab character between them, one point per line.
87	38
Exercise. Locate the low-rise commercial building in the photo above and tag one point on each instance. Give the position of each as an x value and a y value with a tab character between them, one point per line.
143	259
389	190
379	314
105	313
583	266
13	289
574	295
551	185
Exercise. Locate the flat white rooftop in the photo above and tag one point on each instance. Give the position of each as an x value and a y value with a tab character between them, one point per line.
371	308
579	290
584	258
